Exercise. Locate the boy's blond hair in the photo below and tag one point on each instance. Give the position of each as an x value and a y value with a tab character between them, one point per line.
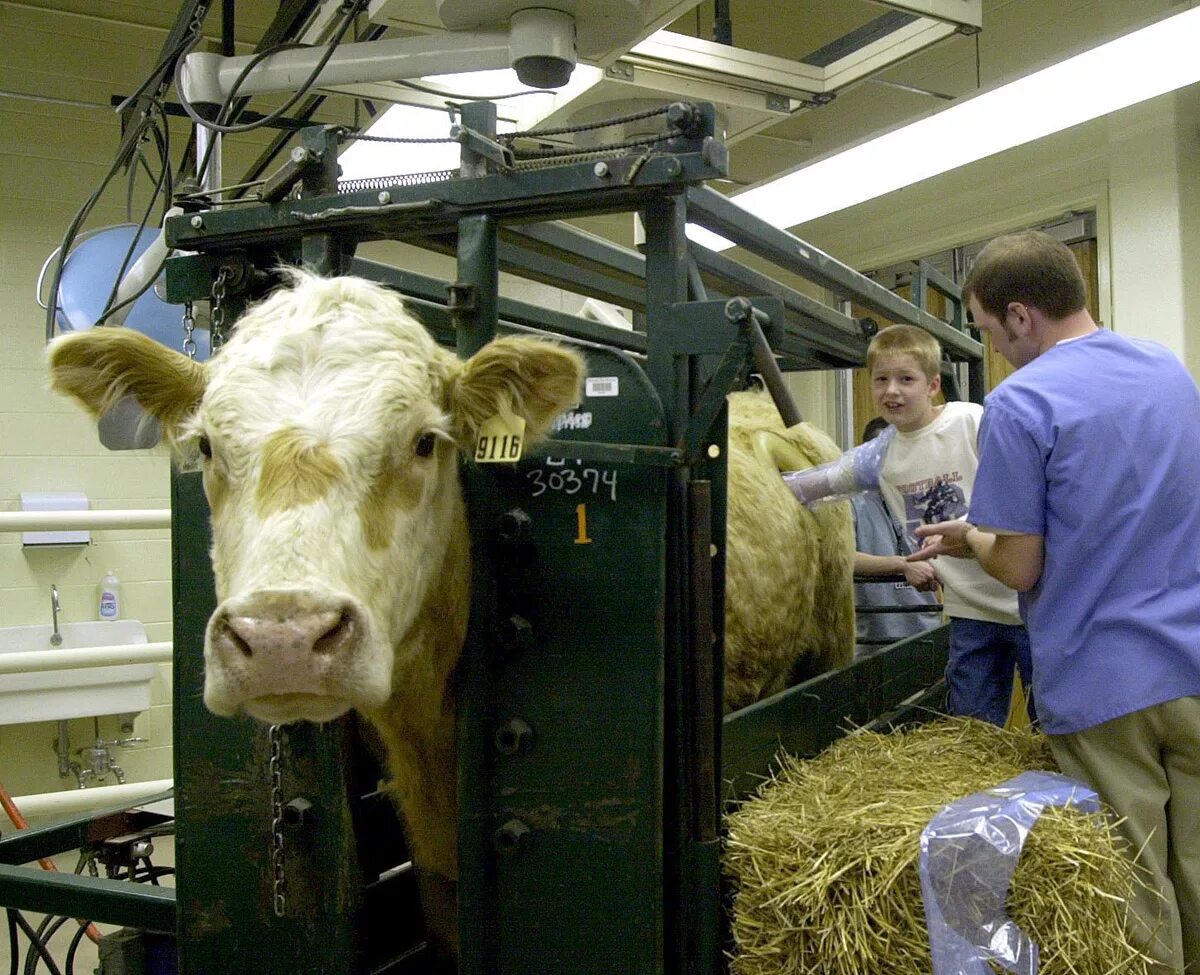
907	340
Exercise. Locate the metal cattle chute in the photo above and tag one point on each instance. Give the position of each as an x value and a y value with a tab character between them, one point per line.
594	759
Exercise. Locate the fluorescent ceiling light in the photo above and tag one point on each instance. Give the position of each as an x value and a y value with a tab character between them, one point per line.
365	160
1149	62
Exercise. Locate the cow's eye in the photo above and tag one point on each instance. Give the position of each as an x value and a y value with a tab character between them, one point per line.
205	447
424	445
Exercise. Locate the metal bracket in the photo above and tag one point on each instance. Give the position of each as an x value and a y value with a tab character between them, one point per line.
481	145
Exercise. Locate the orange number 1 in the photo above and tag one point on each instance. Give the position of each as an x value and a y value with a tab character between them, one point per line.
581	520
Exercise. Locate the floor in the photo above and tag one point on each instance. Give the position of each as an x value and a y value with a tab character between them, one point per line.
86	959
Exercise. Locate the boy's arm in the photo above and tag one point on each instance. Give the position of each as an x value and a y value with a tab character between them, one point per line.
1014	559
920	575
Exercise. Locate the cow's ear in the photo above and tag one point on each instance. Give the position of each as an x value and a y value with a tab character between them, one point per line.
530	378
101	366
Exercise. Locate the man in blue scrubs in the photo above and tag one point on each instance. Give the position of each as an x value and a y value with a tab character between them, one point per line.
1087	502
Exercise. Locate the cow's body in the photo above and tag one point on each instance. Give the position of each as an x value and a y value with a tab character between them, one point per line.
328	429
789	602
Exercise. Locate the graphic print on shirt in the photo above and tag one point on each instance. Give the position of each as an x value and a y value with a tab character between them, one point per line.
933	499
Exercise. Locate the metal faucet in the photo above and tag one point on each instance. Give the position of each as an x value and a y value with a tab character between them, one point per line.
55	637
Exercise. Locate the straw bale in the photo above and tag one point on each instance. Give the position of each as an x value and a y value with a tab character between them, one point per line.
823	860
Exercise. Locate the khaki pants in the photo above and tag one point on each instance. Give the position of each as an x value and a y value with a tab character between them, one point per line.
1146	766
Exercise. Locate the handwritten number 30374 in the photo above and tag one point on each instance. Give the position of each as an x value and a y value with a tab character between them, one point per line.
589	480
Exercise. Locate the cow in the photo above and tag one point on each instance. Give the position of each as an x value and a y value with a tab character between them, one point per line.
327	430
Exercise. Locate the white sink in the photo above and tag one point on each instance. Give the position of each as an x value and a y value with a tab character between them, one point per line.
52	695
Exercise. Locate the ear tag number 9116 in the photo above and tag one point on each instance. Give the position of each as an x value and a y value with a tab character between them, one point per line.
501	440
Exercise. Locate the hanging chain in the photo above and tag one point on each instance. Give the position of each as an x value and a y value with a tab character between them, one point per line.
278	882
189	326
217	326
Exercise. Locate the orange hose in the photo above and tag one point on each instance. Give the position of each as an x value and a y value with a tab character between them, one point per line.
19	821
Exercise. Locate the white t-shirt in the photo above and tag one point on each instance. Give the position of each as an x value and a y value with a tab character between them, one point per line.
927	477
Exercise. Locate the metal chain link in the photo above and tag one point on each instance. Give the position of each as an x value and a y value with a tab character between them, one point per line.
189	326
588	127
217	325
278	881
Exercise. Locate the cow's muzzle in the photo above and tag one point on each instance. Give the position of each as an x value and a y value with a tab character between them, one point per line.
288	655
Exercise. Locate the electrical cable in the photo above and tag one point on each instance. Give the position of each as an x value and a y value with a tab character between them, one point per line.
122	158
305	87
35	944
162	141
430	90
45	931
72	948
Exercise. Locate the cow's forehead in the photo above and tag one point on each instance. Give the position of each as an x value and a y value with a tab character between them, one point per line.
325	354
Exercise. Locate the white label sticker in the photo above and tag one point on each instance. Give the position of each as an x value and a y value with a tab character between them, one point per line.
602	386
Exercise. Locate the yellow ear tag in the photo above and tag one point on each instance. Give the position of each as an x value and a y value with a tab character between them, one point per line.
501	440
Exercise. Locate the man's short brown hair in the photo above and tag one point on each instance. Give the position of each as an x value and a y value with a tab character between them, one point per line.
907	340
1030	267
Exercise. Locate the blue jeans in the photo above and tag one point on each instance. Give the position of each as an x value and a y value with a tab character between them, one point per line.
979	673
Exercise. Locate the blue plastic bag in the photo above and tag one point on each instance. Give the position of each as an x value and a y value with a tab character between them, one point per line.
969	851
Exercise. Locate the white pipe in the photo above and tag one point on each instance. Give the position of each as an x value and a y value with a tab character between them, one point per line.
34	661
48	805
36	521
210	77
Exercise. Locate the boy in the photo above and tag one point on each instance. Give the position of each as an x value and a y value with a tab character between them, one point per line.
927	477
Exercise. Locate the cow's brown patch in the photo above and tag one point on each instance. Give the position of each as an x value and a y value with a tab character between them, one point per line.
395	489
295	471
216	489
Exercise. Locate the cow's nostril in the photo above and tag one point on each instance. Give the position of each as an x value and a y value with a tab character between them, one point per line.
225	635
238	642
338	635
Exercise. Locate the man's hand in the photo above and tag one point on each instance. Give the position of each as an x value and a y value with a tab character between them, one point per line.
943	538
921	576
1015	559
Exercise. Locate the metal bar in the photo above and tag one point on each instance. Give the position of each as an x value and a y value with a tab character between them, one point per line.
898	609
723	216
709	404
28	845
835	325
429	294
671	375
26	521
561	274
68	802
433	208
746	316
603	255
32	661
962	13
142	906
939	282
696	289
705	809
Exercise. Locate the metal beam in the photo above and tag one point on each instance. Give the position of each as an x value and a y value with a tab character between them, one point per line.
962	13
120	902
721	215
625	183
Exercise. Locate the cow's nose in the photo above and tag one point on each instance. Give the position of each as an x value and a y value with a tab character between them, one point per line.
283	631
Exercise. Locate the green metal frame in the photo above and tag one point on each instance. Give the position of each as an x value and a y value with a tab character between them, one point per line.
593	845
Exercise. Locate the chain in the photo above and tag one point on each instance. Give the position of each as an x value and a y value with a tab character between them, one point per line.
217	326
189	326
278	882
566	129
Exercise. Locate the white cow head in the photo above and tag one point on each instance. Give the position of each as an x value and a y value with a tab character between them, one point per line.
327	429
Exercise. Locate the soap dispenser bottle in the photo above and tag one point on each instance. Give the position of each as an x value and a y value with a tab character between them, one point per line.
110	596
